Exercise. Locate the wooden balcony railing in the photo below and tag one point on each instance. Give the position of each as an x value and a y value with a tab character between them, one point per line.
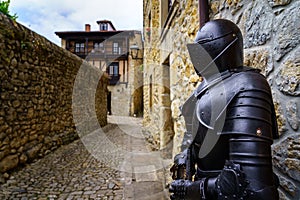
103	52
114	79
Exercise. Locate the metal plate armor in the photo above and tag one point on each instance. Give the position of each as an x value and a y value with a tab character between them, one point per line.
241	131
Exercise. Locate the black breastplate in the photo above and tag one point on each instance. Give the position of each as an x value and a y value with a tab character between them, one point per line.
215	110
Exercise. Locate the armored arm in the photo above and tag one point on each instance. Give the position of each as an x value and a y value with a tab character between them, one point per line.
251	127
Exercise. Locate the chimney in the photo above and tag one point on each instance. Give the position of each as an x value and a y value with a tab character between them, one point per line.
87	28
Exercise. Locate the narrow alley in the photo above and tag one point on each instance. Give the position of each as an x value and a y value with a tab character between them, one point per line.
76	172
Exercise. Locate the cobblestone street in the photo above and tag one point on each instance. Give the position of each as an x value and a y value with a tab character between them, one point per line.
75	172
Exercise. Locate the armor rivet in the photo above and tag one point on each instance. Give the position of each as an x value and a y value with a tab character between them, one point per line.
258	132
221	94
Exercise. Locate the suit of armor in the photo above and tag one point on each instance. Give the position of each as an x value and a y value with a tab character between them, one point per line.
230	124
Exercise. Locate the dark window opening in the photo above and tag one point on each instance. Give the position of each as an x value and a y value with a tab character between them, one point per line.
113	69
150	94
103	27
113	72
109	103
79	47
148	31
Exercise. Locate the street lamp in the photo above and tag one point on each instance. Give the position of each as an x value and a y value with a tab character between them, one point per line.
134	51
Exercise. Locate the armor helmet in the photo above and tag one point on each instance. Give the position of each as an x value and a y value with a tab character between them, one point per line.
220	40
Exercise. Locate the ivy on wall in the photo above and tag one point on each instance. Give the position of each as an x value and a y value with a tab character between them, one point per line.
4	5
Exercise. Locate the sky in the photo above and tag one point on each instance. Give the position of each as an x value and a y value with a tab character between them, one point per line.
48	16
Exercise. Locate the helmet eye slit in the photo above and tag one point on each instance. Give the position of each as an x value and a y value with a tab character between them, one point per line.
211	38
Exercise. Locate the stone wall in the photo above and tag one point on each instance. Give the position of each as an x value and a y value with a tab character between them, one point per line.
271	40
157	104
36	95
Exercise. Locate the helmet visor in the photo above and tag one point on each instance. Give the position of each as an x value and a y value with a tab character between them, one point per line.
202	61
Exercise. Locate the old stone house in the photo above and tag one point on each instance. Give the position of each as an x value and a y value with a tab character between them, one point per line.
119	54
271	41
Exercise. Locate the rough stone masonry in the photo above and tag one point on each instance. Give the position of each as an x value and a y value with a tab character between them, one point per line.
36	95
272	43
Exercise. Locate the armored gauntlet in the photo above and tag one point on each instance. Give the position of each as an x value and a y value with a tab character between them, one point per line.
187	190
178	169
231	183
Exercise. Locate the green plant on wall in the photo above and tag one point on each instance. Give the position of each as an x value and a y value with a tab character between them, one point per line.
4	9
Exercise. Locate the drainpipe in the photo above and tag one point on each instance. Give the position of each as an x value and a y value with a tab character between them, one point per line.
203	12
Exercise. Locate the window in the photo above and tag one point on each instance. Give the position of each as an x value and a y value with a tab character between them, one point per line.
113	72
103	27
99	47
116	48
116	69
113	69
79	47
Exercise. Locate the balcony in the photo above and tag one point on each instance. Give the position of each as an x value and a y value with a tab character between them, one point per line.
114	79
105	52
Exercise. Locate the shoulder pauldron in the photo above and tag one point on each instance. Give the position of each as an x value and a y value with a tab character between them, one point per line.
213	101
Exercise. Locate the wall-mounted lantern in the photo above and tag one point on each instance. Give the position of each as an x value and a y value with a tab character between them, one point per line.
134	51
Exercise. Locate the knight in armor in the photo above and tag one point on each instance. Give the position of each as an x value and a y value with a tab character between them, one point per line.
230	124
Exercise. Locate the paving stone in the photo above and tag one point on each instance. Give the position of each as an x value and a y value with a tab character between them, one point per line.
73	172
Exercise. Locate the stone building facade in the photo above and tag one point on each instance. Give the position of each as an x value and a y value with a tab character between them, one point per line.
42	106
126	98
115	53
271	41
